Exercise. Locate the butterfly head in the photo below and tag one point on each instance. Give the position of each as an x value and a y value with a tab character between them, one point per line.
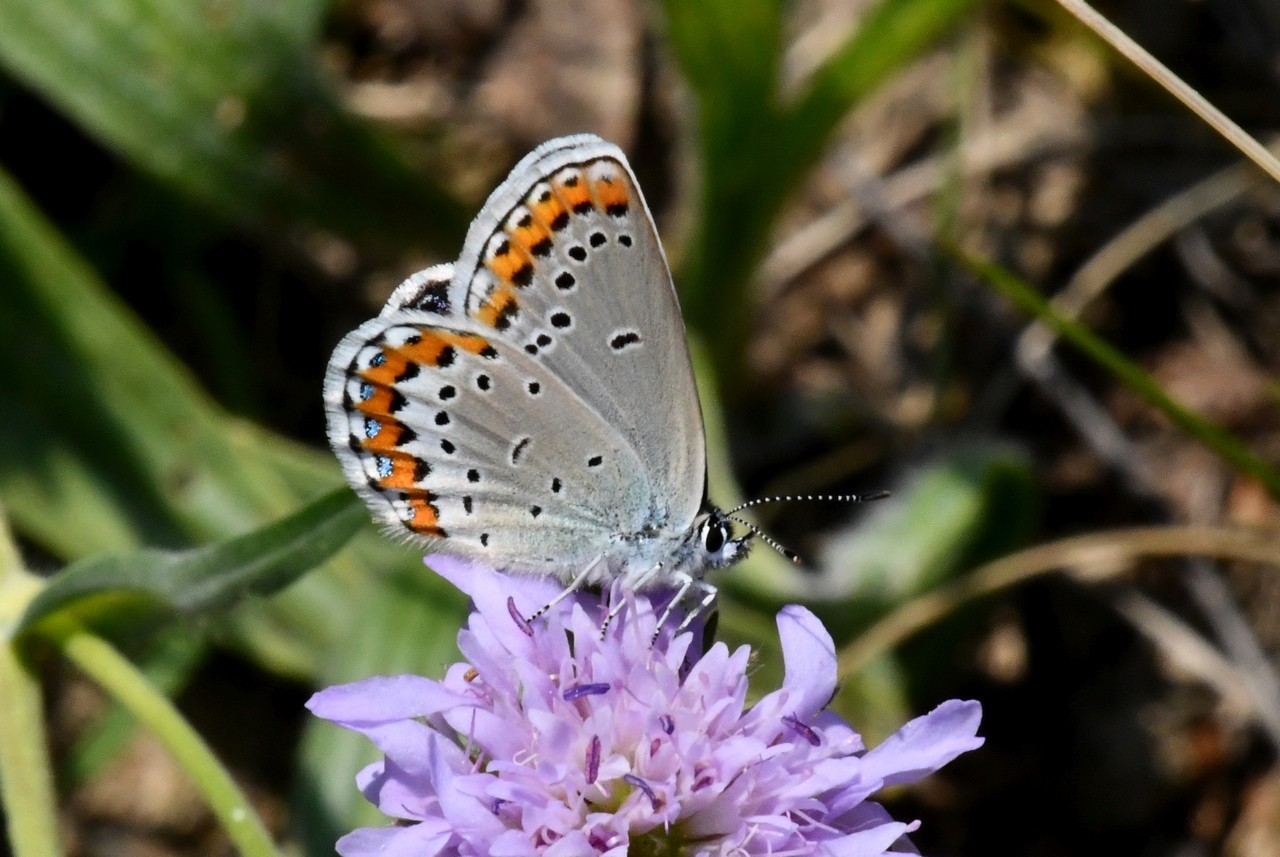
714	545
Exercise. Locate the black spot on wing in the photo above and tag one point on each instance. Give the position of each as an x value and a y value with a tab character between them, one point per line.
523	275
433	298
624	340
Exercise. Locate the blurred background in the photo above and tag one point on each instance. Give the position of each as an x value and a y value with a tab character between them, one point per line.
199	198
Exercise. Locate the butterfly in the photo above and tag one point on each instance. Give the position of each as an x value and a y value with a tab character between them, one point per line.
532	407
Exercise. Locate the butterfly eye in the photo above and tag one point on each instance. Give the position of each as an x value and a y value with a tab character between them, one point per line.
713	536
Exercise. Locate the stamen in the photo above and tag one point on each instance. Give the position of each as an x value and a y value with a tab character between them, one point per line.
580	690
471	675
654	746
593	759
808	733
520	621
644	787
668	725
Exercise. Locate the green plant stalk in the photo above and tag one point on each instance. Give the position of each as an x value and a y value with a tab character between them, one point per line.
1094	557
1128	373
26	778
1175	86
101	662
26	771
26	781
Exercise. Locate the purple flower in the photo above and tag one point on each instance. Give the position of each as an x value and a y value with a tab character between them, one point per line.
565	744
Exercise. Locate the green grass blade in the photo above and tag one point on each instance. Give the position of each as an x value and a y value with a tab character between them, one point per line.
756	149
1209	433
225	103
107	442
28	802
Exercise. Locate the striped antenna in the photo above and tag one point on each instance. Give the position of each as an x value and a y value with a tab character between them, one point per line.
755	531
798	498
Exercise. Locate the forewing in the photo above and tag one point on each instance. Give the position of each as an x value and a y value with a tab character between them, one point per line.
564	263
456	436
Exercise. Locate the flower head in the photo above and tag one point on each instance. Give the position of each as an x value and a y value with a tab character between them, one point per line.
552	741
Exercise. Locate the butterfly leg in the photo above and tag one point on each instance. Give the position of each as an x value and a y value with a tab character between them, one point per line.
573	587
617	608
708	595
686	583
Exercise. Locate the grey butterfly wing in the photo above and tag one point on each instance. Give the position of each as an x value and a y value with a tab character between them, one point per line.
564	263
462	439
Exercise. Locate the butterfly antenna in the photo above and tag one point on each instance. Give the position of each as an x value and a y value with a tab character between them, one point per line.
822	498
771	542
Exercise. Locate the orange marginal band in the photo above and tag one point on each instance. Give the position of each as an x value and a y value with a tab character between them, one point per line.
404	474
509	266
575	193
426	517
387	439
432	347
531	235
500	305
548	211
611	192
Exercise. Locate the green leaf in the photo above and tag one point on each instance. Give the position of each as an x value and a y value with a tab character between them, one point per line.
212	578
107	442
225	102
756	148
955	512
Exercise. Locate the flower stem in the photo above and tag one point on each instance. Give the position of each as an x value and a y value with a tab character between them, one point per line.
26	779
26	786
122	680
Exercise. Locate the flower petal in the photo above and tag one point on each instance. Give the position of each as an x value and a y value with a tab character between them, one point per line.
810	659
925	744
382	698
871	842
421	840
484	585
571	742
